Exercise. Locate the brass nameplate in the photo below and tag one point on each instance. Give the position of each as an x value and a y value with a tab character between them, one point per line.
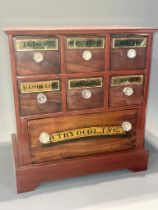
82	43
127	80
36	44
129	42
86	132
40	86
85	83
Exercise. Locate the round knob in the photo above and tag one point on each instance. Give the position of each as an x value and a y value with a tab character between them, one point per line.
86	94
44	138
131	53
38	57
128	91
87	55
41	98
126	126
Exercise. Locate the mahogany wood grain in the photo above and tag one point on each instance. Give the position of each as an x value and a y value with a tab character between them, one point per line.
75	100
81	146
118	98
75	62
120	61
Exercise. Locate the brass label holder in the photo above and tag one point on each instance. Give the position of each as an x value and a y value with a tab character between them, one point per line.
34	44
127	80
129	42
85	83
84	43
39	86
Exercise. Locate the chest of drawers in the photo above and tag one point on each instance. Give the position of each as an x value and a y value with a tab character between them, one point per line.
80	101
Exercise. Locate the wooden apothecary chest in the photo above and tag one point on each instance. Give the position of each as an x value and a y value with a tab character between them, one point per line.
80	100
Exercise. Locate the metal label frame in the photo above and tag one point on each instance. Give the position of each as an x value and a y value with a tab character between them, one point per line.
143	45
39	86
75	39
19	44
85	86
115	81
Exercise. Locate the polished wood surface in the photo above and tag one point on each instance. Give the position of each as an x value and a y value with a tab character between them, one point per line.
67	109
76	64
118	98
82	146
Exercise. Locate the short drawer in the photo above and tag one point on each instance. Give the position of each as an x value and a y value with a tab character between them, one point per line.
84	54
37	55
53	139
39	97
128	51
126	90
85	93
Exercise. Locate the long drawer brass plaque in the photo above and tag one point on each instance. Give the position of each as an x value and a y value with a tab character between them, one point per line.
36	44
85	83
40	86
127	80
129	42
82	43
83	132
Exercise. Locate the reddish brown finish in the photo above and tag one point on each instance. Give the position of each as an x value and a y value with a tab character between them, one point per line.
29	177
107	100
27	66
118	98
120	61
76	64
83	146
75	100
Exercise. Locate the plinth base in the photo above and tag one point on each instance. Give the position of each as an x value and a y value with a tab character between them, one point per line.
30	176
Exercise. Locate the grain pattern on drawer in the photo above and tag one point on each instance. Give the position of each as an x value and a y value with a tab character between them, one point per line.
81	146
37	55
128	51
84	54
39	97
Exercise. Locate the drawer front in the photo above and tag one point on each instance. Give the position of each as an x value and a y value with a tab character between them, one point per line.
84	54
75	136
85	93
39	97
126	90
128	51
37	55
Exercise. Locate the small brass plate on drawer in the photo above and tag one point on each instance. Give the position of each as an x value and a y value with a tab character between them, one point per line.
86	132
129	42
36	44
40	86
82	43
85	83
127	80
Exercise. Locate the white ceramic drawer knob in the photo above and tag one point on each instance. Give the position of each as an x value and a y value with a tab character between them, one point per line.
126	126
131	53
38	57
128	91
86	93
44	138
41	98
87	55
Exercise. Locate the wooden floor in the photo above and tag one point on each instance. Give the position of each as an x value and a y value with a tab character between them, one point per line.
111	190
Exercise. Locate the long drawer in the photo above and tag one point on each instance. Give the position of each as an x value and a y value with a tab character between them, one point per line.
53	139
